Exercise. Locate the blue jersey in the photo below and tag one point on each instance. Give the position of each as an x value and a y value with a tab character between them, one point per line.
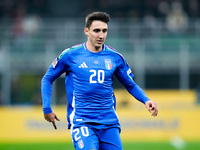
89	84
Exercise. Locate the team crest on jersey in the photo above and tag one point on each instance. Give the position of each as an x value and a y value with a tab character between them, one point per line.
108	64
96	62
80	144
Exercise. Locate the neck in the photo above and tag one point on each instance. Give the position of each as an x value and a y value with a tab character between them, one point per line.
92	48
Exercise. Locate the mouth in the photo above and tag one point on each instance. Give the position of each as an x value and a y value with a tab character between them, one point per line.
100	41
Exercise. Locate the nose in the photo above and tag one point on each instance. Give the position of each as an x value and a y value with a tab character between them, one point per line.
101	34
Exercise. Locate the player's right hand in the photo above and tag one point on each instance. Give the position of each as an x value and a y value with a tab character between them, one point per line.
51	118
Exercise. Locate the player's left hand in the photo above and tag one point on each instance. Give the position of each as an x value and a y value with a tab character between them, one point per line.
152	107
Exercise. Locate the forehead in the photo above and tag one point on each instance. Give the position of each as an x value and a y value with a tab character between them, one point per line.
96	24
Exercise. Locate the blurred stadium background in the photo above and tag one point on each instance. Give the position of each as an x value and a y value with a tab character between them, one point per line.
160	39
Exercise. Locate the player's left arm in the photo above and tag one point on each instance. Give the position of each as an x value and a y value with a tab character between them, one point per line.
125	76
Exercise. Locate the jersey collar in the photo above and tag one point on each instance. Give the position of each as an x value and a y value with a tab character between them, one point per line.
103	48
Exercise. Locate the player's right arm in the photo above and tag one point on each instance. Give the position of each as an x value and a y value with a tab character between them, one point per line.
55	70
46	85
51	118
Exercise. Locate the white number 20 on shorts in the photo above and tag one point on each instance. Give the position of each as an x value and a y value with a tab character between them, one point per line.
84	132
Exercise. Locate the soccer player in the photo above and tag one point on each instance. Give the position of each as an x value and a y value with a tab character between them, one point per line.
90	68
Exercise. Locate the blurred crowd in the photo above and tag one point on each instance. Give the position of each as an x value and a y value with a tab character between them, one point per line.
79	8
25	14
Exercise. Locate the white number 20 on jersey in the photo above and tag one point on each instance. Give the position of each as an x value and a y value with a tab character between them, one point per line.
100	74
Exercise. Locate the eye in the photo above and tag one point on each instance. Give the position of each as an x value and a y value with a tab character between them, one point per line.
104	30
96	30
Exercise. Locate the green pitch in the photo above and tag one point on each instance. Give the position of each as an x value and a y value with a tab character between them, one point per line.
126	146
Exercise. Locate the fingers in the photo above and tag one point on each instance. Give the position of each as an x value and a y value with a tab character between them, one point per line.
154	111
57	118
51	118
53	122
54	125
149	105
149	108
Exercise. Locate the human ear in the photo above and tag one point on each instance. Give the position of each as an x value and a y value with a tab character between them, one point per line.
86	31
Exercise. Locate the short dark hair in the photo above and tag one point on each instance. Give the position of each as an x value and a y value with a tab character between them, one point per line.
101	16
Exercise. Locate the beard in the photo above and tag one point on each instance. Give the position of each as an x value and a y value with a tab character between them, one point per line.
97	47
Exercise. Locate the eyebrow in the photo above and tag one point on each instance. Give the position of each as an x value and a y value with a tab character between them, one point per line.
97	29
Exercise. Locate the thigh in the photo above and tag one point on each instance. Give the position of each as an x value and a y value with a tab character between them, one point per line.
84	138
110	139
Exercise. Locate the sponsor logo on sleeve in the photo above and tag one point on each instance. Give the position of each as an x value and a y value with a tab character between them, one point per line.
55	63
